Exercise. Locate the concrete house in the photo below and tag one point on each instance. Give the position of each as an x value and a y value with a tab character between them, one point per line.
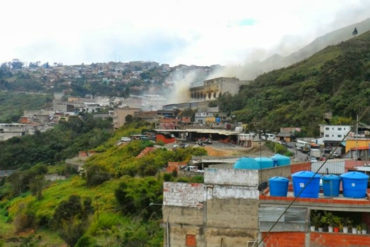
234	208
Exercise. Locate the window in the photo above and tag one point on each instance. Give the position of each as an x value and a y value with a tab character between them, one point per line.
326	135
190	241
339	128
339	135
327	128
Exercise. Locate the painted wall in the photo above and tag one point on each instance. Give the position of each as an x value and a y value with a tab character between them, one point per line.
231	177
183	194
357	143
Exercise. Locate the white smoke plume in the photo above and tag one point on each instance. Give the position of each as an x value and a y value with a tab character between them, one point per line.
182	79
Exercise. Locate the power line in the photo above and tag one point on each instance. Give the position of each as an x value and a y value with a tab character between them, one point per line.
305	186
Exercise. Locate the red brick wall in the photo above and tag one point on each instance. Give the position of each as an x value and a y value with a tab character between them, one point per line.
350	164
319	239
305	166
284	239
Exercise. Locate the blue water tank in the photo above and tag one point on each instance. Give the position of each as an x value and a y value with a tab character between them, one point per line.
246	163
306	184
264	162
281	160
278	186
354	184
331	185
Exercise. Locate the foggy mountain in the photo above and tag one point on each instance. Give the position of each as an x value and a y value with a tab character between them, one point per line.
251	70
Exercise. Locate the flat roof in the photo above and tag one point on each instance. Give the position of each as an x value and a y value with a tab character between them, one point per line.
200	131
363	168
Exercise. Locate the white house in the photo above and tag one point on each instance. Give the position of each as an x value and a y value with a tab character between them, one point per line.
334	133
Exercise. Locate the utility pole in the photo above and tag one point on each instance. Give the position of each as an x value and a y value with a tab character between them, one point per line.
356	137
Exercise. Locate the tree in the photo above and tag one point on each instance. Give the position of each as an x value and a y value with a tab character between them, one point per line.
71	218
96	175
129	118
36	185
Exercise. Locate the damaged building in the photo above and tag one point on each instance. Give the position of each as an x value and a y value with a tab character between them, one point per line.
214	88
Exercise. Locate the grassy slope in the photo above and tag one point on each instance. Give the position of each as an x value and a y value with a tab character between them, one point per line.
108	226
106	223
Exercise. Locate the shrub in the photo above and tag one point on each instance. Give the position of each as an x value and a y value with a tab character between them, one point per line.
96	175
167	177
23	219
85	241
71	218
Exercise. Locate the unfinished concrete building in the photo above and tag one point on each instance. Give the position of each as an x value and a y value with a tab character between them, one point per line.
234	208
221	212
214	88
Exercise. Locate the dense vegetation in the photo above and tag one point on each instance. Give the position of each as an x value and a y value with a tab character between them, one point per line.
115	203
59	143
13	104
278	148
336	79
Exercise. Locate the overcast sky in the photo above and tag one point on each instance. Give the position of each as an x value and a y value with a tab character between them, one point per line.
198	32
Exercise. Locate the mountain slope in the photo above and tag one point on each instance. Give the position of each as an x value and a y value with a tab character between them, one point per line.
331	38
277	61
336	79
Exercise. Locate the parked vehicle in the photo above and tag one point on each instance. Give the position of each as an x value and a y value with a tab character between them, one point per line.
125	139
302	146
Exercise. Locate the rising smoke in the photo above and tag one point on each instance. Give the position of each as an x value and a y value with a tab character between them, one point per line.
260	61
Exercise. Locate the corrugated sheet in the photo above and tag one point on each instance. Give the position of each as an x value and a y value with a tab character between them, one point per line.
331	166
293	220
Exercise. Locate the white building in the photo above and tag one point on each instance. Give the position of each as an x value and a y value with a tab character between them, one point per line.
334	133
9	130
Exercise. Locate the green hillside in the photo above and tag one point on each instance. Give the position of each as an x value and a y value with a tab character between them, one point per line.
336	79
108	205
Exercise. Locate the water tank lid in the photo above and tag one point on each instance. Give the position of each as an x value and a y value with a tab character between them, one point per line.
331	177
355	175
263	159
279	179
305	174
245	163
280	156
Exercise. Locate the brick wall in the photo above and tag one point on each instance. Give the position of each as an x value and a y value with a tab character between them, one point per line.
284	239
350	164
305	166
338	239
317	239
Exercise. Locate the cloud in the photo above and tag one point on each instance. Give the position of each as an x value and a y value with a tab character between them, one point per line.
247	22
190	32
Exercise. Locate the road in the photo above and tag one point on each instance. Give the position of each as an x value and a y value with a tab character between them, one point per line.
298	155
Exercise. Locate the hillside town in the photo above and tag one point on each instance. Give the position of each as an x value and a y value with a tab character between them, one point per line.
269	149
